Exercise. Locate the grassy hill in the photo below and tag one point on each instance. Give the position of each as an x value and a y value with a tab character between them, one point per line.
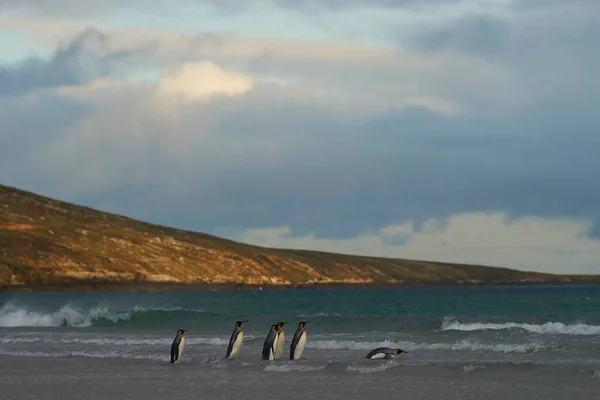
48	244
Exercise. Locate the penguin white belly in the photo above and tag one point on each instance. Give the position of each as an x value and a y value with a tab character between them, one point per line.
279	348
378	356
300	346
180	349
237	344
274	349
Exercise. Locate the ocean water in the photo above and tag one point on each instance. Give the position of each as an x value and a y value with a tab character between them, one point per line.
476	342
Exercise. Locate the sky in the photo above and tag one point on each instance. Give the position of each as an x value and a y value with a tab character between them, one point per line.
444	130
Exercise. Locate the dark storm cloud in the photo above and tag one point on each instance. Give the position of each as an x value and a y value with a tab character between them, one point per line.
550	40
71	64
336	178
482	35
410	165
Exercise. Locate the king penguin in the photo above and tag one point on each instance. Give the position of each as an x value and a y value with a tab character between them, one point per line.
299	341
279	342
177	346
235	342
268	352
384	352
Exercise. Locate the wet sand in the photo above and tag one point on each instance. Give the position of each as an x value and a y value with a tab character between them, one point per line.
23	378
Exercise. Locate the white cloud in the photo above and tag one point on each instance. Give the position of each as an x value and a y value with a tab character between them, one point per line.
366	77
202	80
529	243
118	142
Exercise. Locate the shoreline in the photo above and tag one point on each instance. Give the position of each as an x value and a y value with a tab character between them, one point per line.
173	286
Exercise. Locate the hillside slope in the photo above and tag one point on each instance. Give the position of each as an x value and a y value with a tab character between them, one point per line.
45	242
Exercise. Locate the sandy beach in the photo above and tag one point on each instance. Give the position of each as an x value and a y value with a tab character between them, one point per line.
24	378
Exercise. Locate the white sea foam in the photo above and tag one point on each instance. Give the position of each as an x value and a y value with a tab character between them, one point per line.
366	369
318	315
293	368
463	345
9	340
346	344
91	354
210	341
471	368
549	328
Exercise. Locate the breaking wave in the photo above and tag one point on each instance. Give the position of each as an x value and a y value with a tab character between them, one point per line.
12	316
549	328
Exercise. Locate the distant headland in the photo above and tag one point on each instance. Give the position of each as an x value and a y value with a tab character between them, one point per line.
51	245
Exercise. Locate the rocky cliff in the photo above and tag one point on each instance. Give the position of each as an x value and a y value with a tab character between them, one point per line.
45	243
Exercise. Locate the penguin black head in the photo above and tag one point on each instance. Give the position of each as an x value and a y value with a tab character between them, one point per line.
398	351
281	324
239	323
273	327
182	331
303	323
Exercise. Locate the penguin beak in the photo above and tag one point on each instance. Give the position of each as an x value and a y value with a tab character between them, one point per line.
246	320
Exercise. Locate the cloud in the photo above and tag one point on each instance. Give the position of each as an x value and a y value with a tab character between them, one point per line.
201	80
80	60
362	75
72	7
287	154
550	45
137	134
495	239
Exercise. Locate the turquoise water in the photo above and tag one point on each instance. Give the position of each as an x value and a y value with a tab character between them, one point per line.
466	329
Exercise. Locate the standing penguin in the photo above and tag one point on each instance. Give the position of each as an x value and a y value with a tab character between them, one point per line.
299	341
177	346
268	352
280	340
384	352
235	342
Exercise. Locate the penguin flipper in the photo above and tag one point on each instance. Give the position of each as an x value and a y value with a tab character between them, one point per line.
175	351
295	341
268	347
265	353
232	340
174	354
